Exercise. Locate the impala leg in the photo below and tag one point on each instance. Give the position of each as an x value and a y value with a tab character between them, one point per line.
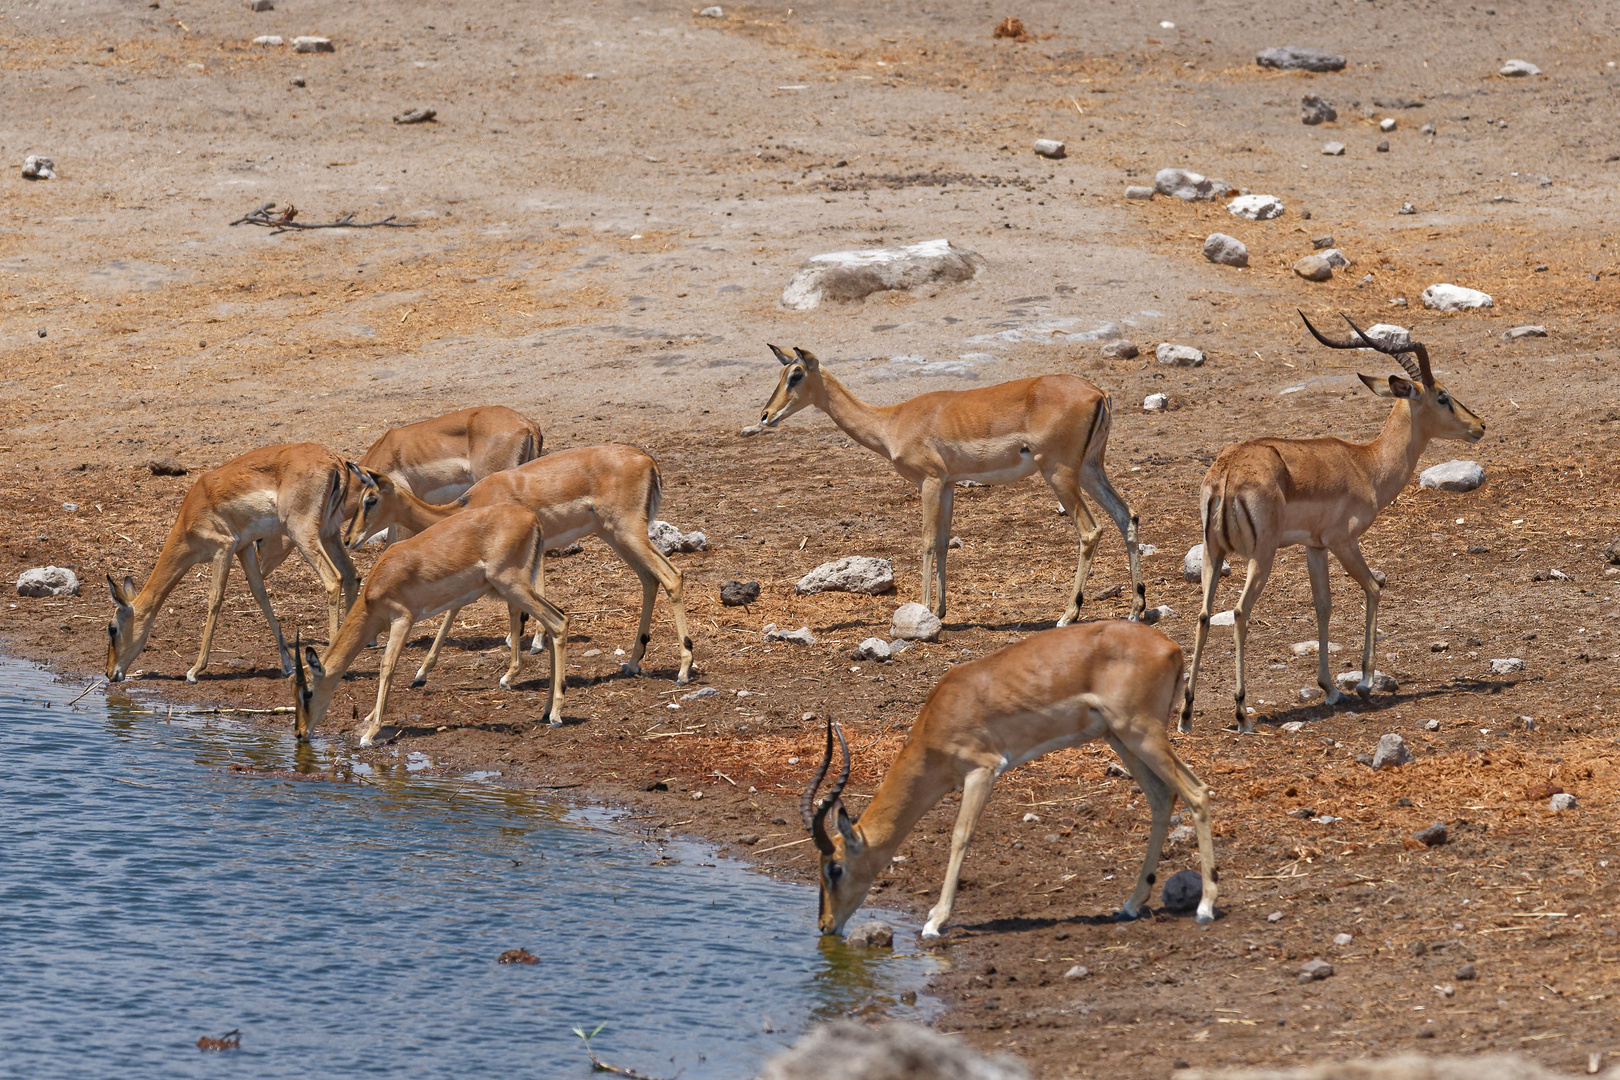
937	497
1160	801
1349	554
1096	484
656	571
221	567
1066	486
1152	746
338	584
398	630
514	616
249	558
975	793
520	588
1322	598
432	656
1211	579
1259	570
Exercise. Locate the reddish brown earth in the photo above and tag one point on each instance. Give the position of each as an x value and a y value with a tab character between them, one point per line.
606	253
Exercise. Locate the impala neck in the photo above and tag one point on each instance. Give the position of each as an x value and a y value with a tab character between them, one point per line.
416	515
1395	452
908	791
172	563
866	424
360	626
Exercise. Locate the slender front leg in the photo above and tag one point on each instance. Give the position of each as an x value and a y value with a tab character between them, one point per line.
1211	578
398	631
1322	598
1259	570
1065	484
1160	801
433	650
975	793
216	599
1097	485
1152	746
249	558
937	497
655	570
1349	554
514	618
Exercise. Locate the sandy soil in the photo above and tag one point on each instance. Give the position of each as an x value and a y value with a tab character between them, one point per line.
603	217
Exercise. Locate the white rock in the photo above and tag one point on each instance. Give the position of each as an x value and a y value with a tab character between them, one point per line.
1223	618
1076	972
913	622
1453	476
1342	939
852	573
269	39
1515	69
1256	207
1300	58
1182	834
1156	402
1523	332
1192	564
715	12
36	167
1391	752
1308	694
854	275
873	648
1333	149
668	539
1144	550
699	695
1335	258
1188	185
1507	665
1314	268
801	636
1389	334
309	44
1384	684
1050	148
1121	350
1158	614
48	581
1432	725
1294	727
1455	298
1032	818
1563	801
1311	648
1388	123
1226	250
1179	355
1137	191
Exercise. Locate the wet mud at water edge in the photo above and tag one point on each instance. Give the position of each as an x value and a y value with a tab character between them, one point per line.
164	883
622	288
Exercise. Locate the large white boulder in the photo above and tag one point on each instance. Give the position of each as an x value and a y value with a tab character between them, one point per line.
1192	565
1455	298
913	622
852	573
1256	207
48	581
1188	185
1453	476
854	275
668	539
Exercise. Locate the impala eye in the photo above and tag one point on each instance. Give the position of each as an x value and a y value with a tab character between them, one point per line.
371	500
112	631
1444	399
795	378
834	872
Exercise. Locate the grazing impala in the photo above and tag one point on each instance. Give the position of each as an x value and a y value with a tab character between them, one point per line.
1056	425
439	459
1107	680
496	550
611	491
1265	494
257	508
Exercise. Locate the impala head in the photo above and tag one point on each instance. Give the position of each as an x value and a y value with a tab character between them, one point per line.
124	642
376	491
845	875
801	375
305	711
1434	410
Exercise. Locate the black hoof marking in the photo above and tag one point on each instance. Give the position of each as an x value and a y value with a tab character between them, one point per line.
1153	878
645	638
1215	874
688	643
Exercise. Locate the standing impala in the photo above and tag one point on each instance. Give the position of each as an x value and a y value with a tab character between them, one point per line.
611	491
257	508
440	458
1110	680
497	550
1324	493
1056	425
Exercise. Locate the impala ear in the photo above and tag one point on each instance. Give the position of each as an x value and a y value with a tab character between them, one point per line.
853	845
1377	384
120	598
313	659
807	358
1399	387
785	359
366	477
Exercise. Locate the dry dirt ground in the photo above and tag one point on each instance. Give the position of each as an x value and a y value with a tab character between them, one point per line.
603	216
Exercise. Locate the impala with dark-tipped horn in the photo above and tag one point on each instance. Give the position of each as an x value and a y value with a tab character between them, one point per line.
1323	493
1117	681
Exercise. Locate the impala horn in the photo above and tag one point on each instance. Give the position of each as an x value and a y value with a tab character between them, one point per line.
816	821
1419	371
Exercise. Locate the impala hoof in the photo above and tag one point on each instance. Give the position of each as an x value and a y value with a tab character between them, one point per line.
1364	691
630	669
365	740
1204	918
555	721
418	682
191	676
930	932
506	683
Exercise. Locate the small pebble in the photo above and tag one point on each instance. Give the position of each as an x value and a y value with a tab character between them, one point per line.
1343	939
1388	123
1050	148
1156	402
1314	970
1383	146
1333	149
1076	972
1275	916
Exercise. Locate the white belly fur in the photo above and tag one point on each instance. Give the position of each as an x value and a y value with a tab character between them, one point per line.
1017	472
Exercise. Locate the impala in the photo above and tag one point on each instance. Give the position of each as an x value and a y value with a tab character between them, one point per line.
496	550
1055	425
1110	680
611	491
1324	493
440	458
257	508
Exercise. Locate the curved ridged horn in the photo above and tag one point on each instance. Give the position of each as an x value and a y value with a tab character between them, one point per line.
807	799
818	824
1419	371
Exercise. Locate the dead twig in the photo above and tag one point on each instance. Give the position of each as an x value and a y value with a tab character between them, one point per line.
282	221
599	1065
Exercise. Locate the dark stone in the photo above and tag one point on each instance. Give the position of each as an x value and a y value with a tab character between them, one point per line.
166	466
1314	110
1612	553
1466	973
738	593
1433	836
1300	58
872	935
1183	891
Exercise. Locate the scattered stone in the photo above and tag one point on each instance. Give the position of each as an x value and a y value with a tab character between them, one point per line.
1466	973
1306	695
1454	297
1032	818
1387	124
517	956
1076	972
166	466
1158	614
955	542
1383	146
1314	110
48	581
1121	350
1389	334
1312	648
847	276
1508	665
1156	403
1563	801
1188	185
1518	69
852	573
801	636
1333	149
913	622
739	593
416	116
1275	916
1337	259
1342	940
871	935
1431	836
1406	208
1256	207
668	539
873	648
1226	250
1300	58
1192	564
1453	476
1223	618
1182	834
1050	148
751	430
1392	752
269	39
1138	191
699	695
296	80
1315	971
1314	268
310	44
852	1050
1523	332
1426	129
1383	684
715	12
38	168
1183	891
1179	355
1432	725
898	646
1320	242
